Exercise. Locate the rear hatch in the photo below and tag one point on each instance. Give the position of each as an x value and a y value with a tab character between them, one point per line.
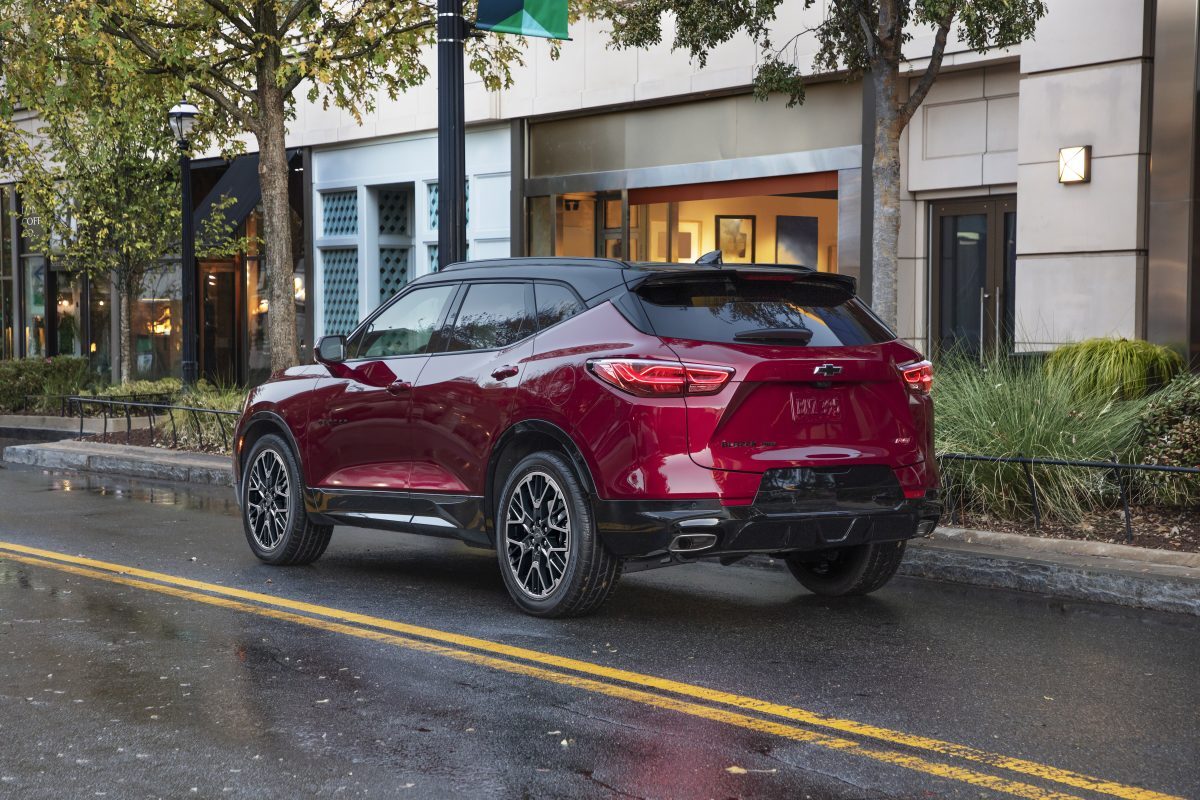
816	382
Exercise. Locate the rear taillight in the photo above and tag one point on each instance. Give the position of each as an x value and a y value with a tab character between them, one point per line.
918	376
646	378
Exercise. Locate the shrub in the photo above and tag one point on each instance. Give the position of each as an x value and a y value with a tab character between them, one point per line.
25	383
1008	407
1169	434
1114	368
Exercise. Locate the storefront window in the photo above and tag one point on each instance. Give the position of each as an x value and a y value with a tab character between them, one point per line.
787	220
34	323
69	317
258	363
767	229
100	325
157	311
575	226
8	296
541	228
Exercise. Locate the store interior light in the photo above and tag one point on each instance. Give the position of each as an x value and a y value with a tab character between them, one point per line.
1075	164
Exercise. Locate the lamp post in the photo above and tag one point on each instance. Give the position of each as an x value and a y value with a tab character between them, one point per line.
452	160
182	118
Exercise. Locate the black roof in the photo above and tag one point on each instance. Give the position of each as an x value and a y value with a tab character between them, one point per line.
595	276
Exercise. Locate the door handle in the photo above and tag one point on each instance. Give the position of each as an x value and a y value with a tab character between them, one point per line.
398	388
506	371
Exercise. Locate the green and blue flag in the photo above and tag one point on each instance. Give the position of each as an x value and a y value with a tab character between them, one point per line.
544	18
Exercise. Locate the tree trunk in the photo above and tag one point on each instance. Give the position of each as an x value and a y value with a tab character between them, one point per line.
125	336
885	173
277	232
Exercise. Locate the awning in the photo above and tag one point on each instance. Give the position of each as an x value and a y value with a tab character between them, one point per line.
240	182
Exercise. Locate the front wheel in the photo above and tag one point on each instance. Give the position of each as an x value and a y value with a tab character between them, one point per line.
847	570
277	527
552	560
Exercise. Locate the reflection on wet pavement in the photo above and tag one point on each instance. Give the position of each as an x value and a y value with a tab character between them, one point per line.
198	498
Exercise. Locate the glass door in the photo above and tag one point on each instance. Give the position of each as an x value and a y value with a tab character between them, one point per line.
219	349
973	264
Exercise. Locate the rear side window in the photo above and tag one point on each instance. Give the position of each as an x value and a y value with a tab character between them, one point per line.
554	304
492	315
733	308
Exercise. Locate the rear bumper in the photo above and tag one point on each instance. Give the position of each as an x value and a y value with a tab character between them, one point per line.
689	529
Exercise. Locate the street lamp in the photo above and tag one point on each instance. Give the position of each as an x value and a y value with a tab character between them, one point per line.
182	119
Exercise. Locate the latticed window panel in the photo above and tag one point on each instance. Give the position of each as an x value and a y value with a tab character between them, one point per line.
394	213
340	211
341	290
432	189
393	270
433	258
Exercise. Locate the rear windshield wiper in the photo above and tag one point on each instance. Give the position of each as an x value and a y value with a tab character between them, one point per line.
800	336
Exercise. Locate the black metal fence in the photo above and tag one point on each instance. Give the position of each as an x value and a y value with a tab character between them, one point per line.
192	416
66	408
1120	473
117	408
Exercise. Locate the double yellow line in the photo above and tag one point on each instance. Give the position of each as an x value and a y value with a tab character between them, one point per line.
882	744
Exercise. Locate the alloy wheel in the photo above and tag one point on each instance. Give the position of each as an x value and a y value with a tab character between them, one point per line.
538	534
267	505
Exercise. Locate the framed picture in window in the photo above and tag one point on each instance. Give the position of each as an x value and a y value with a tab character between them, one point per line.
687	241
796	240
735	239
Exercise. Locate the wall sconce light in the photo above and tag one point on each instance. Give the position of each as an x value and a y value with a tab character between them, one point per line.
1075	164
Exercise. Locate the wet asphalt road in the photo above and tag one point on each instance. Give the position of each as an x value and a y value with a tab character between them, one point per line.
116	690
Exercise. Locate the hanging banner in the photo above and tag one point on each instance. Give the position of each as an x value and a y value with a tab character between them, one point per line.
543	18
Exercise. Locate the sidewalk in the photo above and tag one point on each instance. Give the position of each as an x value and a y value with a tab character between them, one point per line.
130	461
1076	570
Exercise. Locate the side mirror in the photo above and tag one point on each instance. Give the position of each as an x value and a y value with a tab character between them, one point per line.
331	350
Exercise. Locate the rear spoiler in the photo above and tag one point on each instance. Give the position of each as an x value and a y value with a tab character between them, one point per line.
710	261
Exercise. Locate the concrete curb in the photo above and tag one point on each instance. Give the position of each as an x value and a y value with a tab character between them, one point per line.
127	460
49	428
1108	573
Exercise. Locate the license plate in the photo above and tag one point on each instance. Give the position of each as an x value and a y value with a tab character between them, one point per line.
815	407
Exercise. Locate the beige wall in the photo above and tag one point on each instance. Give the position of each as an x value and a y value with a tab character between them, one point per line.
1081	249
996	128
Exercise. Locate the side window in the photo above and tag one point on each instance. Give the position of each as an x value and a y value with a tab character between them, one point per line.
492	315
405	327
554	304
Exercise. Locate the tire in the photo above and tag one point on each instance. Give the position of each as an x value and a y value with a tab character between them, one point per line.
285	535
589	573
848	570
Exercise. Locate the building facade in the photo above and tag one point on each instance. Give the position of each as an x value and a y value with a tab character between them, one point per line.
644	155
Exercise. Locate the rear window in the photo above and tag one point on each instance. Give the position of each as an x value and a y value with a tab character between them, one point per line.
736	309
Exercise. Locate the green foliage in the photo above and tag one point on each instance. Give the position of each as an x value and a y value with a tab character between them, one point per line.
26	384
1008	407
1169	434
854	36
1118	368
165	387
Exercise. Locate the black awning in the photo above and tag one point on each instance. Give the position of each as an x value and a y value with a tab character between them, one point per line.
240	182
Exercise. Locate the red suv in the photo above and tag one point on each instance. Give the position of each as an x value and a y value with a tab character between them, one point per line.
584	417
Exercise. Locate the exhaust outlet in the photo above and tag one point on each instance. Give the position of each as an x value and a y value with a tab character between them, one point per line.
692	542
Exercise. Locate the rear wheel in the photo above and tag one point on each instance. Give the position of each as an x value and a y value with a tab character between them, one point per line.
847	570
277	527
551	557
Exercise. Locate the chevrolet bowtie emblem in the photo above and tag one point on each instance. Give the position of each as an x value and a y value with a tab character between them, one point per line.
828	370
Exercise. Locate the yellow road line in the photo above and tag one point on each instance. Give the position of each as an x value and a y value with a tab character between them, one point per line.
1031	768
756	724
